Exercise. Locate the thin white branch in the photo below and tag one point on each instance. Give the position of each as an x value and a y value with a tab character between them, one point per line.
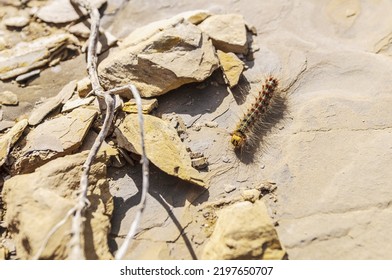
145	184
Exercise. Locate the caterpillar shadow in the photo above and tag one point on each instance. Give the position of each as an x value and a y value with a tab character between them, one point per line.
257	142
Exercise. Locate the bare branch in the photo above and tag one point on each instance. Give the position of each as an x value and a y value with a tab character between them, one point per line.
145	183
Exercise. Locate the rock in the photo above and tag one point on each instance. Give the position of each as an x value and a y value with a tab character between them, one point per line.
199	161
228	32
54	138
17	22
6	124
153	58
8	98
36	202
8	140
75	103
147	105
52	103
26	56
62	11
24	77
229	188
83	87
244	231
163	147
80	29
195	16
232	67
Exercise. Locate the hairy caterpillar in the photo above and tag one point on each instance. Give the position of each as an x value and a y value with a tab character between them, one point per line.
255	114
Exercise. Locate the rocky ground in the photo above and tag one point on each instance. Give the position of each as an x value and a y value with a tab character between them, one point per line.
314	186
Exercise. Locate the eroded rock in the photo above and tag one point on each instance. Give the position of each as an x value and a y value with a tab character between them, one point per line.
8	98
36	202
62	11
232	67
10	138
54	138
228	32
163	146
26	56
153	58
147	105
52	103
17	22
244	231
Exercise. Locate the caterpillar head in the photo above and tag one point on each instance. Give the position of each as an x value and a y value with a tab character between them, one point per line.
238	139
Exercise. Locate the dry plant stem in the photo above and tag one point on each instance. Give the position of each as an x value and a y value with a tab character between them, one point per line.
145	185
75	244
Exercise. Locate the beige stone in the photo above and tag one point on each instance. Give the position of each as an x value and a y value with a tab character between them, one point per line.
26	56
153	58
38	201
52	103
9	139
163	147
228	32
147	105
62	11
244	231
18	22
54	138
8	98
232	67
77	102
83	87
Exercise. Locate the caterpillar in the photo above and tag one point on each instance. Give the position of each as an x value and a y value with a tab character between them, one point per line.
253	118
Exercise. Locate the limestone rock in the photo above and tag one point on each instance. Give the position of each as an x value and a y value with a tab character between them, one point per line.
54	138
153	58
195	16
83	87
26	56
9	139
163	146
244	231
8	98
52	103
36	202
228	32
62	11
232	67
75	103
147	105
17	22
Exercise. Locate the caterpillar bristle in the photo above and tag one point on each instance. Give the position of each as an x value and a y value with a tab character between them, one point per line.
255	114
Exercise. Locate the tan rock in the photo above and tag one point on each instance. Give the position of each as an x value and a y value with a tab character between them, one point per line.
62	11
18	22
232	67
147	105
83	87
244	231
55	138
163	146
8	140
228	32
52	103
195	16
26	56
38	201
153	58
75	103
8	98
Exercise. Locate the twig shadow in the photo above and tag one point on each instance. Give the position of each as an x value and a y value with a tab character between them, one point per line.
170	192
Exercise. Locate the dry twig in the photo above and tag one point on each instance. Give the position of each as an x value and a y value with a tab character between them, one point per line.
75	244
